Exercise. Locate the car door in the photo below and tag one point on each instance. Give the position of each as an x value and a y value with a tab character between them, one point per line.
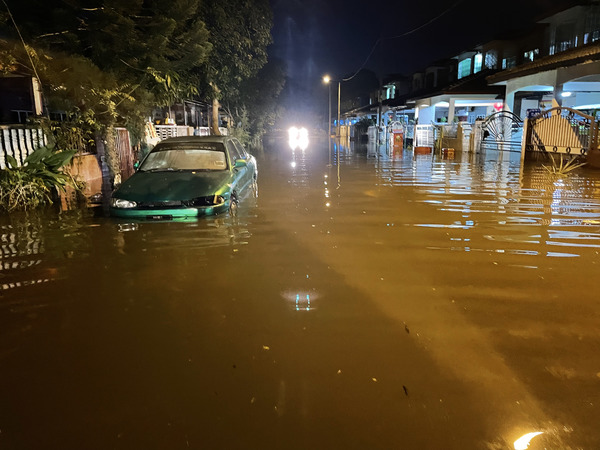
240	173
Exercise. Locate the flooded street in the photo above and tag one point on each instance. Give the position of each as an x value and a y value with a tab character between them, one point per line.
362	301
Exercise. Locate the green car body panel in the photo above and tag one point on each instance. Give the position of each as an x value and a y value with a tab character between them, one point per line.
175	194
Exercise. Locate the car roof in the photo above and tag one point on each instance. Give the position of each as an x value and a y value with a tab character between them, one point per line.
194	139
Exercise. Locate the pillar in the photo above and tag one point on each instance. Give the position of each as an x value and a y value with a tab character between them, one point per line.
509	101
451	111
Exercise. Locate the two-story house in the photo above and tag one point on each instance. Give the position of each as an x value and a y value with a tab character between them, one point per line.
562	70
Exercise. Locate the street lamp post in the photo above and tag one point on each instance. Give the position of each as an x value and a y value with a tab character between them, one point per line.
327	79
338	119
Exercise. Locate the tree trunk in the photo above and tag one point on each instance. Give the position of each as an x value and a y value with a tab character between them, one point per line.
112	156
215	118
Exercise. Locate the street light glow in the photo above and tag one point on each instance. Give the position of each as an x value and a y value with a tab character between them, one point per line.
326	79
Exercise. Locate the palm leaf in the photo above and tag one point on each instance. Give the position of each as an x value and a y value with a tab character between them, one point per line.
12	162
38	155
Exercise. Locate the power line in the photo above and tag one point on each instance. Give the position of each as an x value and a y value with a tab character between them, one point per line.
25	47
414	30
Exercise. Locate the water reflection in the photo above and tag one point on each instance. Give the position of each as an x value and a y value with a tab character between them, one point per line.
30	254
523	442
199	234
492	191
301	301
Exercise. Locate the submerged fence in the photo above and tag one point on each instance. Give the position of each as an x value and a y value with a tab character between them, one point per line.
19	142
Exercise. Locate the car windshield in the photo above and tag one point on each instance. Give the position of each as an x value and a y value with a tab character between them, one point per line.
203	157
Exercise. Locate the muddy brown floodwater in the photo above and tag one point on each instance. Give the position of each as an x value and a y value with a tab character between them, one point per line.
361	301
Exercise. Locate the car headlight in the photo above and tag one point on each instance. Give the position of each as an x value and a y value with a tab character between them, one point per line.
120	203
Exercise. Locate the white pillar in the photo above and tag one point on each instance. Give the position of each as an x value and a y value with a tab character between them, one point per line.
556	98
38	106
509	101
426	115
451	110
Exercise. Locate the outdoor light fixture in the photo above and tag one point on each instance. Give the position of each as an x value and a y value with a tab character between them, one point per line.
566	94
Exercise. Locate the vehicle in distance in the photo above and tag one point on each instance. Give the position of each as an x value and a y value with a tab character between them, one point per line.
186	177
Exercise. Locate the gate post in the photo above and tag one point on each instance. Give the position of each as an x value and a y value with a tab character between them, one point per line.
525	139
593	156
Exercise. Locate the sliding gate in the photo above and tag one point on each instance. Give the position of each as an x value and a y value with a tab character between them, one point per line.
562	130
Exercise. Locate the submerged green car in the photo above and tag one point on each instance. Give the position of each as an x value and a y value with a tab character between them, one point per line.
187	177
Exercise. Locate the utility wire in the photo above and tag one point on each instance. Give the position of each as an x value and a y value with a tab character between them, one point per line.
414	30
25	47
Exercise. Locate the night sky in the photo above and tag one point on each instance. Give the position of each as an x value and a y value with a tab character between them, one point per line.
315	37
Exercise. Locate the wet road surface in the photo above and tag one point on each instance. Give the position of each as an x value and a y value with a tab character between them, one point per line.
362	301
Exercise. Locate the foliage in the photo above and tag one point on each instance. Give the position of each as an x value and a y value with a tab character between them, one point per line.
240	32
561	167
34	183
256	106
240	129
108	63
363	125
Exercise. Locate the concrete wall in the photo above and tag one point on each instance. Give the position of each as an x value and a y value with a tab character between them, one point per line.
87	168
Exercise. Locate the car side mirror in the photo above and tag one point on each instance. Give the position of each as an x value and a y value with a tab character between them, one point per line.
136	165
240	163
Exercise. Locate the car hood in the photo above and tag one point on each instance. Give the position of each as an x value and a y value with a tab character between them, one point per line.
169	186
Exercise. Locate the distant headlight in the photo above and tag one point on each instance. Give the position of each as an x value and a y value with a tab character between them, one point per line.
120	203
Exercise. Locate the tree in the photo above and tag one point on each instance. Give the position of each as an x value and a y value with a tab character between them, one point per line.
258	98
150	45
240	31
107	62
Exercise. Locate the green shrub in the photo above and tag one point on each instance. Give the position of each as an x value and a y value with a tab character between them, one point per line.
35	182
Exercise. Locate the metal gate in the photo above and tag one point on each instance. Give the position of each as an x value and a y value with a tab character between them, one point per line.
562	130
502	130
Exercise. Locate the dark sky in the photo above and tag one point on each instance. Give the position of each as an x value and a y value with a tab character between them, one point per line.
336	36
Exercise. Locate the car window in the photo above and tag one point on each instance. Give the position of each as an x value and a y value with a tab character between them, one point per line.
185	159
233	151
241	149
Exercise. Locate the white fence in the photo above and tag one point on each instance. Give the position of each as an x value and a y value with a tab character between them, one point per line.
19	142
167	131
424	136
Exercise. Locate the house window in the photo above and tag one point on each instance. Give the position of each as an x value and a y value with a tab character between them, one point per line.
565	37
565	45
478	63
390	92
464	68
592	25
591	37
531	55
491	60
507	63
